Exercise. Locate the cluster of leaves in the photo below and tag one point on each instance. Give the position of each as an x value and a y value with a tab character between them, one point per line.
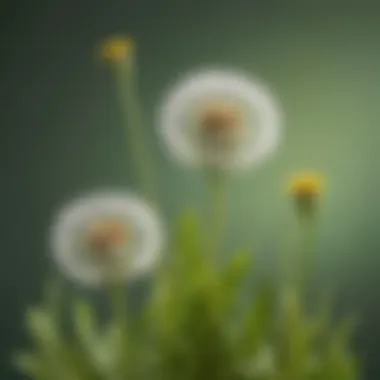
192	328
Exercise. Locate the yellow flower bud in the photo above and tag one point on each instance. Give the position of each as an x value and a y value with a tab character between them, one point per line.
116	48
305	189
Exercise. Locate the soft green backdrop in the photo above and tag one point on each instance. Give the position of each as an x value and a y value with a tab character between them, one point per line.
60	128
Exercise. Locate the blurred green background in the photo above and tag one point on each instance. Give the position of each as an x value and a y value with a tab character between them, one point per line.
61	130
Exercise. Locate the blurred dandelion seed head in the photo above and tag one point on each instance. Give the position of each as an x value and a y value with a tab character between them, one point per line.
106	234
219	119
238	118
116	48
104	237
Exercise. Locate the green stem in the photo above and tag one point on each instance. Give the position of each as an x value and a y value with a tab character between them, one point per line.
306	251
133	120
298	259
298	262
287	261
217	210
53	296
118	307
117	299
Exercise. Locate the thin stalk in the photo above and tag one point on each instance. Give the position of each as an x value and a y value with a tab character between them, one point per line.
54	296
216	183
134	127
306	251
117	299
296	264
288	261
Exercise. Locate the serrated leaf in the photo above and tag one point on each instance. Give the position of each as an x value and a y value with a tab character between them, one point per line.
257	323
175	284
31	365
338	362
88	335
42	328
233	275
186	243
293	337
85	322
55	360
344	331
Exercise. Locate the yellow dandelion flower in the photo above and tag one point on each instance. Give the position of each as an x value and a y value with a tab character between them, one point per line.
116	48
305	188
305	185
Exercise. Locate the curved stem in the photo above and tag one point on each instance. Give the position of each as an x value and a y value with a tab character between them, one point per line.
133	120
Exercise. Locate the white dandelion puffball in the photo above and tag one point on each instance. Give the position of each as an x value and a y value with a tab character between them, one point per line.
220	118
104	236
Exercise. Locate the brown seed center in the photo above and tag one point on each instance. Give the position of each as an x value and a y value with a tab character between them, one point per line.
218	120
104	236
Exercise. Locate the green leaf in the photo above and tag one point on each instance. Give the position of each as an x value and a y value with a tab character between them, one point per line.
204	333
174	285
88	336
339	362
256	327
345	330
52	357
187	247
295	334
42	328
31	365
233	275
85	323
110	351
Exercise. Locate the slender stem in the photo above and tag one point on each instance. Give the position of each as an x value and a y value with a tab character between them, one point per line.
117	300
287	260
217	210
306	250
298	263
53	296
134	126
298	259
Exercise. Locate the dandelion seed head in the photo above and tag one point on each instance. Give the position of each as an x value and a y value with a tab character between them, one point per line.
106	234
220	101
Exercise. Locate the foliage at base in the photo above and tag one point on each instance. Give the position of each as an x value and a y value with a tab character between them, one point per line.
191	328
